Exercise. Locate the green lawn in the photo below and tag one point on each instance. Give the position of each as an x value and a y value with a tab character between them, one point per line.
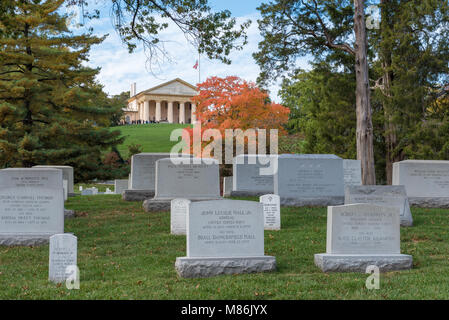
152	137
125	253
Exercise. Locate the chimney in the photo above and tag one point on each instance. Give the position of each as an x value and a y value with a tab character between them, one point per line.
133	92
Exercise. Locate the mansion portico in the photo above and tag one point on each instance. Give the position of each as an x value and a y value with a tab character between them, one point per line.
168	102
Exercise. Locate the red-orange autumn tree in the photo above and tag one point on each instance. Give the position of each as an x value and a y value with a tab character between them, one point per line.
233	103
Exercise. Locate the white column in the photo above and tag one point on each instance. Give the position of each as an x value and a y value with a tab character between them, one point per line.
158	111
182	112
170	112
146	110
140	110
193	113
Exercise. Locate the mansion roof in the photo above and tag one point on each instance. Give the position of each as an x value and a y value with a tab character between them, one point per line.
175	87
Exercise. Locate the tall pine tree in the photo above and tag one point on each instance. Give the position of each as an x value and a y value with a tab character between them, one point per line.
48	107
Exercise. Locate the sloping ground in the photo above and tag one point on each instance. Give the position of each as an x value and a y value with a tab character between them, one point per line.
152	137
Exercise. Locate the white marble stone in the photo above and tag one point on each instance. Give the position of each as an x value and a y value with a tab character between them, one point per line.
309	179
271	211
423	178
192	179
67	174
209	267
143	170
225	228
390	196
363	229
65	188
31	205
120	185
352	172
253	174
178	215
224	237
227	186
63	253
360	235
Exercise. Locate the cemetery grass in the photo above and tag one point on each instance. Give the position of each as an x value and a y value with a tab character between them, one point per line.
125	253
153	137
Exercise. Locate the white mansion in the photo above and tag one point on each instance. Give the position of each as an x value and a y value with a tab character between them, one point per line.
168	102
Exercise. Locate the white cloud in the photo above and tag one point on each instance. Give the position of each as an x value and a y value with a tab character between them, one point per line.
119	68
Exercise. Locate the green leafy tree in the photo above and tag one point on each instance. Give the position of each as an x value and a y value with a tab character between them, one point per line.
411	68
323	114
140	22
291	29
48	107
407	58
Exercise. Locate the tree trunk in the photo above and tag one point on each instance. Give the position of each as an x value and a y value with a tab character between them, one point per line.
365	149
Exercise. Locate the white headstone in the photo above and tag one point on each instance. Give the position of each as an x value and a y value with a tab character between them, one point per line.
303	179
253	174
352	172
81	188
94	190
189	180
423	178
225	228
224	237
67	174
390	196
31	205
271	211
142	175
178	215
63	253
227	186
363	235
120	185
65	187
363	229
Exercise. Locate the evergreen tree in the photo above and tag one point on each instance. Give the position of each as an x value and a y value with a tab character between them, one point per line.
48	107
411	67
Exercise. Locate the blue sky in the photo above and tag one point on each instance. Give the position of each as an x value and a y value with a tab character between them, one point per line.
119	68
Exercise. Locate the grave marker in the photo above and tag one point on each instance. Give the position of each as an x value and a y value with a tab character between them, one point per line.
224	237
360	235
271	211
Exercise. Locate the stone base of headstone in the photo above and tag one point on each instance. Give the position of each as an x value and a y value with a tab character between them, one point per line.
422	202
72	194
312	202
247	193
359	262
68	214
209	267
137	195
161	205
24	239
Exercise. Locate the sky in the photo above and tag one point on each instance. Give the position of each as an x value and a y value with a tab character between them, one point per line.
119	68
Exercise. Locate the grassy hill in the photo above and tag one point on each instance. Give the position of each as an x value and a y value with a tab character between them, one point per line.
152	137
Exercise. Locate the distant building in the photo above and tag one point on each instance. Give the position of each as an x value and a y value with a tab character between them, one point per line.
168	102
